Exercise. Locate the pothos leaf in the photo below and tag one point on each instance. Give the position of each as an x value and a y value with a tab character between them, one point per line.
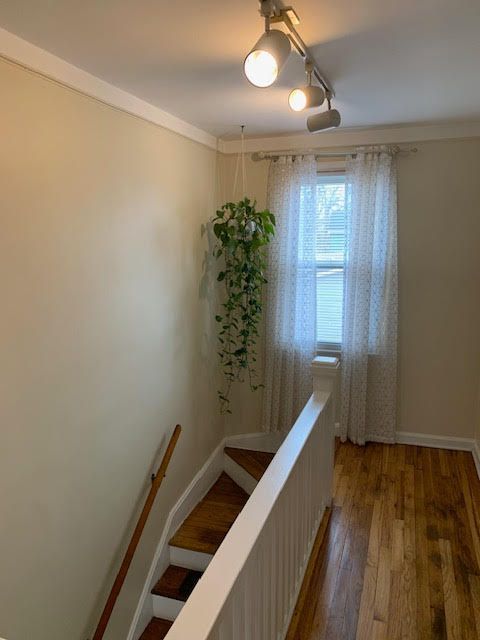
241	236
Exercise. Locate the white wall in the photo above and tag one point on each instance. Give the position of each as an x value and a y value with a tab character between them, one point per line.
106	341
439	276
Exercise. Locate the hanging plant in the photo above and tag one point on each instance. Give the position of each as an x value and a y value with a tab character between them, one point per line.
242	233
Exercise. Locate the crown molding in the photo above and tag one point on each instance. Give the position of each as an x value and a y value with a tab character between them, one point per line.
351	137
30	56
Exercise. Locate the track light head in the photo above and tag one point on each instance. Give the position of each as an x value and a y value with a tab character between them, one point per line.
265	61
306	97
324	120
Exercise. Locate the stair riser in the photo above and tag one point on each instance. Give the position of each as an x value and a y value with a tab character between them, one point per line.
189	559
166	608
239	474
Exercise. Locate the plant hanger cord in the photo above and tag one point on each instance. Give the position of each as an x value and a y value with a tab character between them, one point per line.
242	234
241	156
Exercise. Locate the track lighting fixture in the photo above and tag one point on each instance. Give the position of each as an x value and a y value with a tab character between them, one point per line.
265	61
308	96
323	120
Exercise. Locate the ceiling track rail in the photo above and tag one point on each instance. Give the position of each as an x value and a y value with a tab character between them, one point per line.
274	12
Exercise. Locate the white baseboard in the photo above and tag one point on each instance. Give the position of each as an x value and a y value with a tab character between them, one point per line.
437	442
426	440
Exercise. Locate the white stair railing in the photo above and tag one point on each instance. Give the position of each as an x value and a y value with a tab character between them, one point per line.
250	588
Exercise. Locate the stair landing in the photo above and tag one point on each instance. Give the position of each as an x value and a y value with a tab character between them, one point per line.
209	522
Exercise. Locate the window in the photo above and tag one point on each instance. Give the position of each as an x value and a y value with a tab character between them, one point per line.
330	257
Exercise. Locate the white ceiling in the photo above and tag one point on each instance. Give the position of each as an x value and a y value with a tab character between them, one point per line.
390	62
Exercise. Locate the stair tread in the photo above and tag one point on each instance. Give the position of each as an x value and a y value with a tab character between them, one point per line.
209	522
156	629
177	583
254	462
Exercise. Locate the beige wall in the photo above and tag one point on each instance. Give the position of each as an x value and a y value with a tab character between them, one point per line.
439	260
439	281
106	341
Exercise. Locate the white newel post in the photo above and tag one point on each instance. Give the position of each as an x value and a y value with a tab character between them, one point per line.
326	379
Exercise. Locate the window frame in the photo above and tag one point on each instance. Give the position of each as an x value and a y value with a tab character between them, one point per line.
329	348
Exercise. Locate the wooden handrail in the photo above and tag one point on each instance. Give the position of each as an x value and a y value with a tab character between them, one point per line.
127	560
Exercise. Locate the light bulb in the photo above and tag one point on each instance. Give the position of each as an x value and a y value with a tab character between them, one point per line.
297	100
261	68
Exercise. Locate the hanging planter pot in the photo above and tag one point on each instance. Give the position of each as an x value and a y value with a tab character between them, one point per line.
242	234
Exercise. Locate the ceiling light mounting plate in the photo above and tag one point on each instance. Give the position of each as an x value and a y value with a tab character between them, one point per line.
293	15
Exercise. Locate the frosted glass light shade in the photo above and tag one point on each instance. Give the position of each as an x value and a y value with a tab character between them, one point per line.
265	61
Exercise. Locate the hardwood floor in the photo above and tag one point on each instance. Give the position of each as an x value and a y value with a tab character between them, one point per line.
400	554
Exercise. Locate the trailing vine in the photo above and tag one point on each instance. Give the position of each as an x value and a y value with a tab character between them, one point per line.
241	233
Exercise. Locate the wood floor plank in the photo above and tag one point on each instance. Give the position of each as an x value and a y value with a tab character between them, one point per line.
367	603
474	526
475	591
462	546
361	522
435	578
452	613
382	593
339	526
409	598
422	590
379	630
400	555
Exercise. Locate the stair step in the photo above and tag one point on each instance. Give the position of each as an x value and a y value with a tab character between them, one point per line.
254	462
177	583
209	522
156	629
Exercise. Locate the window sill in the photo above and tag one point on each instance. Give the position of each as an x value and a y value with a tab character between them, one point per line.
333	353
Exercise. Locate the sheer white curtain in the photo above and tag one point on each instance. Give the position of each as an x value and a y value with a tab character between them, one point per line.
290	292
370	310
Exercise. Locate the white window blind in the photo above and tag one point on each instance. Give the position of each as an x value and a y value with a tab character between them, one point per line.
330	256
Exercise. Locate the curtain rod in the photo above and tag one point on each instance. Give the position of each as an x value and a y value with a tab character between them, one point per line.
274	155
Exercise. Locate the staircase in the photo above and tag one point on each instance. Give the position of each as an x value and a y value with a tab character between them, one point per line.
196	541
